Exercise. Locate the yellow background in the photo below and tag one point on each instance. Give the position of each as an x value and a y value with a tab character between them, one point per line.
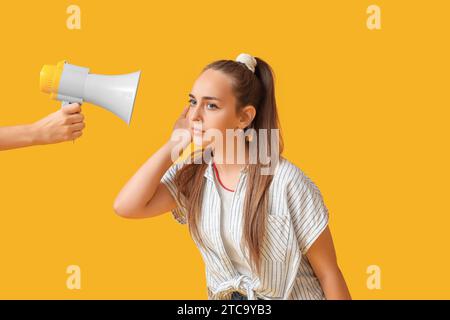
364	114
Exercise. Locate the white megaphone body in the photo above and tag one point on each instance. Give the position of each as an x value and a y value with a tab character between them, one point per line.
73	84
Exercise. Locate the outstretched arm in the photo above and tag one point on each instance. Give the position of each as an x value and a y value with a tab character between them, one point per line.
62	125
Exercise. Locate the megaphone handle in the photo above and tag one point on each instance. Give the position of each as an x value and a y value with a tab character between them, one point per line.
65	103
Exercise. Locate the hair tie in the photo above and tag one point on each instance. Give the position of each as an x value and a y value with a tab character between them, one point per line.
248	60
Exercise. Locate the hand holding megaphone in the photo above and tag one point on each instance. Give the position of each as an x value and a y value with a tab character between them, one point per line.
73	84
63	125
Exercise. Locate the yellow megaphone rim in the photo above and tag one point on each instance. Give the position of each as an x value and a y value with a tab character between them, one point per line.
50	77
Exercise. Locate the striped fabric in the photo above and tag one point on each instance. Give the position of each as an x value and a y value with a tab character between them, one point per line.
296	217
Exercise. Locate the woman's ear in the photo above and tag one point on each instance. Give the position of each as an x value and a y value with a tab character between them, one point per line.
248	113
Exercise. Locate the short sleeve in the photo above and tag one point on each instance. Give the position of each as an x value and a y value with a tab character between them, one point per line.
168	179
308	211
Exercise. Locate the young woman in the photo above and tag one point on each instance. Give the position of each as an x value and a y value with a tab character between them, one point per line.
261	236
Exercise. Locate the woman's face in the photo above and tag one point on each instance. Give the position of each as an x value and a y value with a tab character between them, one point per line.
213	106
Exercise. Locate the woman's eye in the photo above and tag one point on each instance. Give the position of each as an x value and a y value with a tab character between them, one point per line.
210	106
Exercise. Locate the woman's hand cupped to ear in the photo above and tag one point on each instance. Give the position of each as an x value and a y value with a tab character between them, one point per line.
181	129
63	125
183	120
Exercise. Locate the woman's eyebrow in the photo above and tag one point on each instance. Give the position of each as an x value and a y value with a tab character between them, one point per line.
205	98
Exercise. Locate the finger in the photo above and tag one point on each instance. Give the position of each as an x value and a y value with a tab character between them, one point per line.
75	118
76	134
185	111
77	126
72	108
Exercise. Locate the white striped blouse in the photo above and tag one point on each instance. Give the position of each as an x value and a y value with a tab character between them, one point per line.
297	216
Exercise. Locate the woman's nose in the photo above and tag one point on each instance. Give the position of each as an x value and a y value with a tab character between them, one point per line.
195	114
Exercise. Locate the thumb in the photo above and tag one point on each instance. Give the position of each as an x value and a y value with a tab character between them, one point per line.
72	108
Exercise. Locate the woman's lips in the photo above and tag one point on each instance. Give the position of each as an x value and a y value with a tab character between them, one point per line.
197	131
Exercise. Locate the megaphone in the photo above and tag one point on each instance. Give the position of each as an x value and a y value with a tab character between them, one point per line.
74	84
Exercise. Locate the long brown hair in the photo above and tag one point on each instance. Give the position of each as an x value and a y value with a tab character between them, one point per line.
255	89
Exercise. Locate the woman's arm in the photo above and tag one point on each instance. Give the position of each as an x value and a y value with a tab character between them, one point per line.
62	125
322	257
144	195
